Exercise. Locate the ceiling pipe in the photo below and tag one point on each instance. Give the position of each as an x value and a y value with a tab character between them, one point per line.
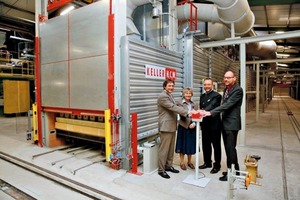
221	15
131	5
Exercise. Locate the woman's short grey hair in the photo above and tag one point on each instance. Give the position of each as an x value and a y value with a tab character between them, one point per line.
187	89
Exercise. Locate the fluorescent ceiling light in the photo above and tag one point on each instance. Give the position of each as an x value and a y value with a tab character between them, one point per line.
67	10
278	32
19	38
283	55
4	29
282	65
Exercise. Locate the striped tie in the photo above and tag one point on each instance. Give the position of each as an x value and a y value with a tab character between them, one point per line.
226	94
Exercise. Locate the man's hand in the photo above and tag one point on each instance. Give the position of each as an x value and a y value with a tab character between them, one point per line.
206	113
193	112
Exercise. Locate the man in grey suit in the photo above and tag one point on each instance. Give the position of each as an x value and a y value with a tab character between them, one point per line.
167	124
231	118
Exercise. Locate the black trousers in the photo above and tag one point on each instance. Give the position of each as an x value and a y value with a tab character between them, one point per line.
230	139
211	138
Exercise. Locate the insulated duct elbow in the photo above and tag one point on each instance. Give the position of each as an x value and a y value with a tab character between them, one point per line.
237	12
221	15
225	12
131	5
206	12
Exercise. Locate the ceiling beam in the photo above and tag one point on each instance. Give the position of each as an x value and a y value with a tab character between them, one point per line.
287	44
16	8
271	2
245	40
273	60
265	28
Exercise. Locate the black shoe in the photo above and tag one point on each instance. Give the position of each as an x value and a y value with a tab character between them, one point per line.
163	174
172	169
223	178
204	166
214	171
224	173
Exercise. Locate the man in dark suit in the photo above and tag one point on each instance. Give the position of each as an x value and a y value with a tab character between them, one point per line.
231	118
167	125
211	127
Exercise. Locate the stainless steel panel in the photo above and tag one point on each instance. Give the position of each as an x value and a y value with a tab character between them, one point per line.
54	40
74	58
88	30
54	84
88	83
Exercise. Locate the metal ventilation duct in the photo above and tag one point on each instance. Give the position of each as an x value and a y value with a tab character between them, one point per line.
221	16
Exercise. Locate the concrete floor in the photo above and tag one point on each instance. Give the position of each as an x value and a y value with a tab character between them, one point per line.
272	137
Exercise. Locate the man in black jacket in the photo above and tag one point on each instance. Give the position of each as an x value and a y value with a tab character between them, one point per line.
211	127
231	118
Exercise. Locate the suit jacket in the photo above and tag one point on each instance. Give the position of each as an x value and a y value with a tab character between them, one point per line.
184	120
209	101
231	109
168	110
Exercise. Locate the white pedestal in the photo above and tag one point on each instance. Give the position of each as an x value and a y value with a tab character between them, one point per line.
196	180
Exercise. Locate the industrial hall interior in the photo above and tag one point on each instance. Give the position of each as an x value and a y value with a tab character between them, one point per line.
102	99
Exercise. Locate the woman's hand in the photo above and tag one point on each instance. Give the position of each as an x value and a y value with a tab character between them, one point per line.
192	125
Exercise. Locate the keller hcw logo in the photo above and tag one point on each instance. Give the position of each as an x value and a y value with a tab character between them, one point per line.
163	73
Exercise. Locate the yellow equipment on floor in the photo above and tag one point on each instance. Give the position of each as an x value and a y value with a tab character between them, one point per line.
251	166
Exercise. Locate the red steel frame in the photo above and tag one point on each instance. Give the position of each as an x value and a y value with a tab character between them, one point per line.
38	90
193	16
52	4
111	62
134	144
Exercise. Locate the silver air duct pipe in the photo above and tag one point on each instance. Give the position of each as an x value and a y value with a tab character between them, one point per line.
222	15
132	4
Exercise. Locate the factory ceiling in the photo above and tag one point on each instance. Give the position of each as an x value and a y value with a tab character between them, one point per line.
270	16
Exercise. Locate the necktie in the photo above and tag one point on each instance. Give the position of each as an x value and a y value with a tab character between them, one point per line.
226	94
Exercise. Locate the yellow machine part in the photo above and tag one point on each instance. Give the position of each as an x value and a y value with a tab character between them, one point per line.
89	128
80	126
16	96
80	122
107	135
251	167
35	136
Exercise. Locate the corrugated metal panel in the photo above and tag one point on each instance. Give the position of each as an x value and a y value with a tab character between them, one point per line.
200	68
235	67
220	64
143	92
251	86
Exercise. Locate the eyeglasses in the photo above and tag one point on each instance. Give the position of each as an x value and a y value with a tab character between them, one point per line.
228	77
